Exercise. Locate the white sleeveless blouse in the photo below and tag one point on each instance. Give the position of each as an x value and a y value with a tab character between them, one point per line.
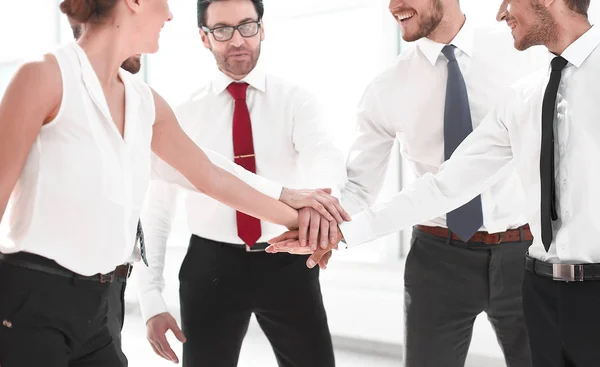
79	197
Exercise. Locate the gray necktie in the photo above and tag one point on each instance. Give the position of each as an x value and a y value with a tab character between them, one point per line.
467	219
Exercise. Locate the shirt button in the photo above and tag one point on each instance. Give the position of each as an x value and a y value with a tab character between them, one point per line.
564	183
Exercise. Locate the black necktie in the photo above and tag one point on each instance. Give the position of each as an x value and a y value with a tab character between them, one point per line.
547	176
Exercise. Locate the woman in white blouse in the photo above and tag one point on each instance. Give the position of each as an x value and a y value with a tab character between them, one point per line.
76	140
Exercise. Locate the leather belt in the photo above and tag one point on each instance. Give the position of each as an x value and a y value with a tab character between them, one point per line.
512	235
259	247
563	272
30	261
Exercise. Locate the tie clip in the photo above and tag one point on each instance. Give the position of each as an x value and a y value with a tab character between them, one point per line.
244	156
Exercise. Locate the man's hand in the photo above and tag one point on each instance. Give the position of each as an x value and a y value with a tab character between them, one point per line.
315	230
156	330
320	200
289	242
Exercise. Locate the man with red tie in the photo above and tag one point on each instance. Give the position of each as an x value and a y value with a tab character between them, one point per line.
274	129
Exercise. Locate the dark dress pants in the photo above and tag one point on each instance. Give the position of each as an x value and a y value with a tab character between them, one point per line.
563	319
51	320
222	286
447	284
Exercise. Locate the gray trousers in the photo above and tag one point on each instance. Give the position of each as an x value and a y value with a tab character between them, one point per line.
447	284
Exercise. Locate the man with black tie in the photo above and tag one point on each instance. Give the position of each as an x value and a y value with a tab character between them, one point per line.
546	127
466	261
270	127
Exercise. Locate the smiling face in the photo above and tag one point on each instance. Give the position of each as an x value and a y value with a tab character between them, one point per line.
238	56
530	22
417	18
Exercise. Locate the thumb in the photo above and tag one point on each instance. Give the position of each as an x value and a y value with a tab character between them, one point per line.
177	331
328	191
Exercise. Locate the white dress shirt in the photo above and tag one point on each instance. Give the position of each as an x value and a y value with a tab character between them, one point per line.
407	102
293	146
511	137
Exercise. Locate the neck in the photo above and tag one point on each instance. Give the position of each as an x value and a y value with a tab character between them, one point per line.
236	77
568	31
106	50
451	24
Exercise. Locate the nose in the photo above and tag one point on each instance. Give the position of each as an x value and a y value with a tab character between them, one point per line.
170	16
394	4
502	11
237	40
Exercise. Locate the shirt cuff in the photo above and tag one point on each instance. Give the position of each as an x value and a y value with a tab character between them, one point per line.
357	231
152	304
272	189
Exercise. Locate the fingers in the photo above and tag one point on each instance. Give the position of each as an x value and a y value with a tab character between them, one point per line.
325	260
177	331
333	232
303	222
164	347
316	205
284	237
315	258
324	235
313	234
328	204
153	345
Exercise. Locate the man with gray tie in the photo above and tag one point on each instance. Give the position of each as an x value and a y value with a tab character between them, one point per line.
470	260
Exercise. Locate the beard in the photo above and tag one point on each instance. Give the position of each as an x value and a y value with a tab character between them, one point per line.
542	32
238	67
428	23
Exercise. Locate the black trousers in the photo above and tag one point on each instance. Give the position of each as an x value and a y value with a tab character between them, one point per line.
221	286
53	321
563	319
447	285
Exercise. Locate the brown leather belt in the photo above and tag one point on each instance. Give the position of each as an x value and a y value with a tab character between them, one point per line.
512	235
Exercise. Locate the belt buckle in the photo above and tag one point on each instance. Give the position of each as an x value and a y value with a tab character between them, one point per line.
567	272
107	278
500	238
250	249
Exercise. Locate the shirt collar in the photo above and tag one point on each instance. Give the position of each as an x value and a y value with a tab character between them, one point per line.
257	79
463	40
582	48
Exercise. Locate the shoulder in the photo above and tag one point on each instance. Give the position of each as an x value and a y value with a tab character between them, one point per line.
292	93
398	70
41	79
197	99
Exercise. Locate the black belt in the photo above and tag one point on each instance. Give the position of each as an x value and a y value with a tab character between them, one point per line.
563	272
259	247
39	263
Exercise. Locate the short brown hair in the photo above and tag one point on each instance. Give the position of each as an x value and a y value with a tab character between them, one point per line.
579	6
82	11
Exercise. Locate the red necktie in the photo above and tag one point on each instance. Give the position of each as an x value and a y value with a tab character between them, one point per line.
243	150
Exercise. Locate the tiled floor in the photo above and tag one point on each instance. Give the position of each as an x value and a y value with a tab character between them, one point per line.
256	351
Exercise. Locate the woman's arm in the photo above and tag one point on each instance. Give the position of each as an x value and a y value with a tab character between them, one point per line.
32	99
173	146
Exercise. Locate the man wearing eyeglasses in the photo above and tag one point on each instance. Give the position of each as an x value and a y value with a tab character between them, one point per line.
275	129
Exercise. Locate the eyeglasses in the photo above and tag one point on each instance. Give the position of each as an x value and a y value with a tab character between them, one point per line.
225	33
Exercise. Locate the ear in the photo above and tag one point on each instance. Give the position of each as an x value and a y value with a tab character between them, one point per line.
262	30
134	5
205	40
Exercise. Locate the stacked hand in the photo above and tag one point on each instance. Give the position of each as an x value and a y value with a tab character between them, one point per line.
313	229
